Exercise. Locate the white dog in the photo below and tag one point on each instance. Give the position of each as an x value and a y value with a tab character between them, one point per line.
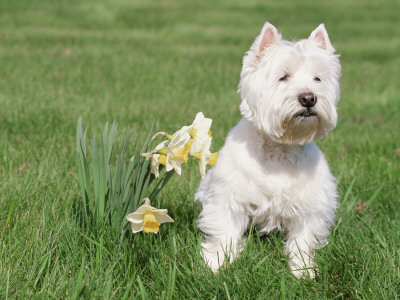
270	172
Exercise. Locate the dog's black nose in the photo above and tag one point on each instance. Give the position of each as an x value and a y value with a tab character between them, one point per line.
307	99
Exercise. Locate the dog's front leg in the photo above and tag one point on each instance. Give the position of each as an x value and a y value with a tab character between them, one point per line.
301	244
223	229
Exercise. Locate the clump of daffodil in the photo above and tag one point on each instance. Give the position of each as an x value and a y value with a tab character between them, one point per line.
193	140
148	218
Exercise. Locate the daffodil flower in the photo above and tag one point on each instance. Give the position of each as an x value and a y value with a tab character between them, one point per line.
181	132
206	157
155	159
170	153
155	164
200	132
148	218
178	152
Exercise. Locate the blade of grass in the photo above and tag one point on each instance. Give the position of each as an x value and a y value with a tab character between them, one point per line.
226	291
92	241
374	195
142	289
347	195
376	235
127	290
79	283
171	280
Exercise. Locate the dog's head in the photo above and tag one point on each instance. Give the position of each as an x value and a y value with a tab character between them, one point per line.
290	90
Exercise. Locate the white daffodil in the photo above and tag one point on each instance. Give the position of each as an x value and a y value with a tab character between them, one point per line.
155	164
148	218
204	156
181	132
200	132
155	159
170	153
177	151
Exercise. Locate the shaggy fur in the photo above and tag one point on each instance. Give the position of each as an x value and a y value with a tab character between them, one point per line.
270	171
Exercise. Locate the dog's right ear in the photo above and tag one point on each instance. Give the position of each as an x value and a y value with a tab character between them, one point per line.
269	36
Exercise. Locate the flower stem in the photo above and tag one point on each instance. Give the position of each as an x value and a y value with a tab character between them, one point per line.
161	133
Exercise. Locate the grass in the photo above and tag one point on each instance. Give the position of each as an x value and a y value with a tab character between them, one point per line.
135	61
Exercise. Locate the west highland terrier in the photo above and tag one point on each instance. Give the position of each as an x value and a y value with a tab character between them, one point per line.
270	171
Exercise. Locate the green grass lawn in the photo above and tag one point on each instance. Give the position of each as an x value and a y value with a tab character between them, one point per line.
139	61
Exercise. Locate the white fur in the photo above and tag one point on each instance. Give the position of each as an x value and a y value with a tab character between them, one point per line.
270	171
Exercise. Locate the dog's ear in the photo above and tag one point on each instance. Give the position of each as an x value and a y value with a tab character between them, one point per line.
320	36
269	36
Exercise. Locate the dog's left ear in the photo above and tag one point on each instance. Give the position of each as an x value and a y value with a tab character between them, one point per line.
320	36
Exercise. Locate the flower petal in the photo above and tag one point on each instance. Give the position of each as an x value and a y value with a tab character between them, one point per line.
176	164
179	140
135	218
201	123
155	165
159	211
201	143
183	130
142	209
202	166
168	165
136	227
164	219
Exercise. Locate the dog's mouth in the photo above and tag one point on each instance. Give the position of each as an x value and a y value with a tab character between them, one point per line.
306	114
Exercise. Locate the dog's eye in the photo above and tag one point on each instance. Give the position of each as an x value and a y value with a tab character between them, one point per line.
317	79
284	78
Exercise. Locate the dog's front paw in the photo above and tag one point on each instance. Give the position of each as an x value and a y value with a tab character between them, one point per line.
302	269
212	259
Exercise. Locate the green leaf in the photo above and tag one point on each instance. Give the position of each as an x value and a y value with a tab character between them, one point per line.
160	184
100	205
110	142
95	169
104	142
